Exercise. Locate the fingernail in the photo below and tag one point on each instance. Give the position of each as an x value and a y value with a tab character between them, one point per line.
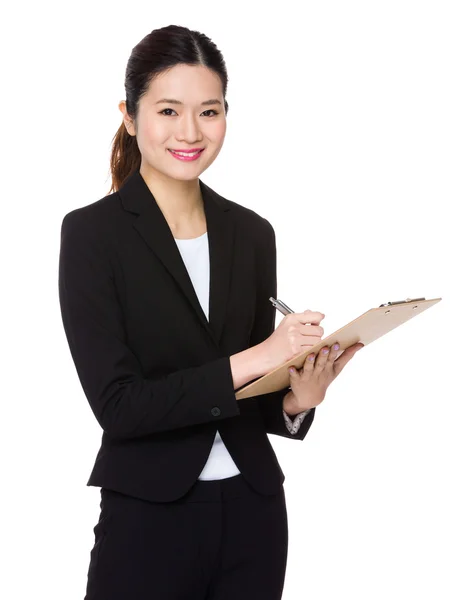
325	351
292	370
311	358
336	347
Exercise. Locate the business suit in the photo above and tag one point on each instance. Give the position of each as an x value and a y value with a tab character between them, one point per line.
155	372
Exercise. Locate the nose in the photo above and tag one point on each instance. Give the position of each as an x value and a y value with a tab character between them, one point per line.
188	129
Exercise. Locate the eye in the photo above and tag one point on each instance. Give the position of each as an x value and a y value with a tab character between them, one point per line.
171	109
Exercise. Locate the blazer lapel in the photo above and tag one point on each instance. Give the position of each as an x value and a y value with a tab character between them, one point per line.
150	223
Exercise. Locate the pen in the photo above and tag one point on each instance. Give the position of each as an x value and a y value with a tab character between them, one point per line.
282	307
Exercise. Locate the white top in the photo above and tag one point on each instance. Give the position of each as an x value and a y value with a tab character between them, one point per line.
196	256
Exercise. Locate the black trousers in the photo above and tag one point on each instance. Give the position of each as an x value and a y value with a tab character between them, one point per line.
221	541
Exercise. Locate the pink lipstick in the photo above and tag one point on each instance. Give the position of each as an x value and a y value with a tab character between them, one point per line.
187	155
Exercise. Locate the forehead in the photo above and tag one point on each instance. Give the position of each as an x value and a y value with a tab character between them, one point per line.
188	83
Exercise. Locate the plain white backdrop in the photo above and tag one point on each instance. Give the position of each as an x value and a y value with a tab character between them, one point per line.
341	133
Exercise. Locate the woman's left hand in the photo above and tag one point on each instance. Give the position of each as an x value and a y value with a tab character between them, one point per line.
309	384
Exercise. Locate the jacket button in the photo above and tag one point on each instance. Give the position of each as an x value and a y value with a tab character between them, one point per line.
216	412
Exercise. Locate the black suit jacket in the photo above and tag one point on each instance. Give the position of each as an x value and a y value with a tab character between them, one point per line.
155	372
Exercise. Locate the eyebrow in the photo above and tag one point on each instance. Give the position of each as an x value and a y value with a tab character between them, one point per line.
173	101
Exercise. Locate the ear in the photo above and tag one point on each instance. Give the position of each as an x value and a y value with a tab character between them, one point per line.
129	124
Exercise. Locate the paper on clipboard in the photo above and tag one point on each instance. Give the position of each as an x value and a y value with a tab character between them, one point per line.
368	327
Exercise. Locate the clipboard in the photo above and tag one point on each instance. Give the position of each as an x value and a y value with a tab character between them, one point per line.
367	328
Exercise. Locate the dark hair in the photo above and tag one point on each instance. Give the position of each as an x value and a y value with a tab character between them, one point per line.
157	52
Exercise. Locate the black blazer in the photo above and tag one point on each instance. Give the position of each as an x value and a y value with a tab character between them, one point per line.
155	372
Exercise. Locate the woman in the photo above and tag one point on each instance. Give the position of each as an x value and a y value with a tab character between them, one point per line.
164	291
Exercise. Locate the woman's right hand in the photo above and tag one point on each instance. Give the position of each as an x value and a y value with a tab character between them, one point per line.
292	337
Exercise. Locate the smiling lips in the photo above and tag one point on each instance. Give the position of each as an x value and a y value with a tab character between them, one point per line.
187	155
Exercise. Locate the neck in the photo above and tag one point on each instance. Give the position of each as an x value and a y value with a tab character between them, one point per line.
180	201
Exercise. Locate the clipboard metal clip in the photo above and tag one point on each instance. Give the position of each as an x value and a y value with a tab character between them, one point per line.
401	301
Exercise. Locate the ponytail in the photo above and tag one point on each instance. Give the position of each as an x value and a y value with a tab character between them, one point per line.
125	157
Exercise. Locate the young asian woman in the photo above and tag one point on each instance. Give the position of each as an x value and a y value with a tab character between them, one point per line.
164	290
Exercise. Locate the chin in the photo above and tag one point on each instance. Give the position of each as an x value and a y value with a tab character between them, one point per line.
190	175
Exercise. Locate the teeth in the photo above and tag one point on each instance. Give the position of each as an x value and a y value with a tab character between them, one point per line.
185	153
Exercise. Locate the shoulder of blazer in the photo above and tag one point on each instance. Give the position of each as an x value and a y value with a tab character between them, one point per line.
105	212
96	211
253	222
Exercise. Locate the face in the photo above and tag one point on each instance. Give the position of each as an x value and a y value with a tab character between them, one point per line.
184	124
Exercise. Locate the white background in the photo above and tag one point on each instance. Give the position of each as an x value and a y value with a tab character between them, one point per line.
340	132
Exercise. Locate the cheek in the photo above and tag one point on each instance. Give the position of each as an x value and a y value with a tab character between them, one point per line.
154	132
217	131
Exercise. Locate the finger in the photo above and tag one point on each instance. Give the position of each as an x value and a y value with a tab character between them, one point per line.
354	348
357	346
306	347
308	367
293	375
309	329
308	341
321	360
347	355
310	316
333	353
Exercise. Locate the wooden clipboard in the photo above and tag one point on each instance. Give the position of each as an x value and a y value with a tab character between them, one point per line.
370	326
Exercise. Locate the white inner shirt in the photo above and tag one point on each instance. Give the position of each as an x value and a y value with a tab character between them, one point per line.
195	255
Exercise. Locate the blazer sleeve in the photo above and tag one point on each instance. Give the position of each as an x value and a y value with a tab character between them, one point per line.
271	405
125	403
